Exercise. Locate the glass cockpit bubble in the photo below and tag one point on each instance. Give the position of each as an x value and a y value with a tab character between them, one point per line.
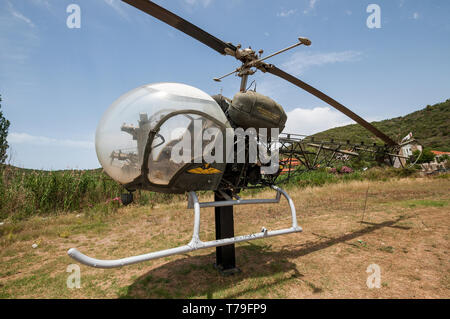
124	128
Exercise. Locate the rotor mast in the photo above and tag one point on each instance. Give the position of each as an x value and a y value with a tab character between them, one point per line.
251	62
244	79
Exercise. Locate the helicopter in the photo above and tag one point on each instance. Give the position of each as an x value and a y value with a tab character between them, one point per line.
143	134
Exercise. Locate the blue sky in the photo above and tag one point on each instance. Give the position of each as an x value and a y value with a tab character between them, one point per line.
56	82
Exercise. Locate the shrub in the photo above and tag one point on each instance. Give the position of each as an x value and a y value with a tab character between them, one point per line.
346	170
426	157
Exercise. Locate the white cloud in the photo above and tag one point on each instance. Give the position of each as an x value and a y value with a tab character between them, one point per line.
16	14
312	5
416	15
204	3
286	13
311	121
300	61
116	5
19	38
44	3
24	138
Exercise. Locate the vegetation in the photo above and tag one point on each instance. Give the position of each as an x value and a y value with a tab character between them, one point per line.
4	125
32	192
426	157
324	176
430	126
24	193
443	158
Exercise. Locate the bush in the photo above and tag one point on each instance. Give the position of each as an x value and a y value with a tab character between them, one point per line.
346	170
443	158
426	157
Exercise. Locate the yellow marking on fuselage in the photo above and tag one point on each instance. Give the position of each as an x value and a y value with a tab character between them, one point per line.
207	170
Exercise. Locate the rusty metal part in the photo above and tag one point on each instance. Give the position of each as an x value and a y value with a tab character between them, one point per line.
386	153
332	149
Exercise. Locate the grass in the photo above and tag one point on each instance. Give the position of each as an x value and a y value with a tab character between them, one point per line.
426	203
327	260
322	177
26	193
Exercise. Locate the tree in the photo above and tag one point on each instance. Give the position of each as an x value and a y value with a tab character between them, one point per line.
427	156
4	125
443	158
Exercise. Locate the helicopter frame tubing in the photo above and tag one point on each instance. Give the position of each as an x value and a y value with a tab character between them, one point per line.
301	153
196	243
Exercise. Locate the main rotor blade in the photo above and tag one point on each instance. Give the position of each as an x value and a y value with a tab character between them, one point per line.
286	76
179	23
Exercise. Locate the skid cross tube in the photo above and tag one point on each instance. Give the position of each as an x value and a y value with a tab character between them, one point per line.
195	242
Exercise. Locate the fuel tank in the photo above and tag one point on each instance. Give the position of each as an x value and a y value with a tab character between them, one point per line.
252	109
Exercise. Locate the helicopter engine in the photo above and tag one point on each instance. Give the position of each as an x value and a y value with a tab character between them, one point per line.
249	110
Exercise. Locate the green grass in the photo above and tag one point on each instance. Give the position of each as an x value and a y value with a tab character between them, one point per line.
425	203
322	177
25	193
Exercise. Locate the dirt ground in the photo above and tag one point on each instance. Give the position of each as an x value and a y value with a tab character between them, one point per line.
401	229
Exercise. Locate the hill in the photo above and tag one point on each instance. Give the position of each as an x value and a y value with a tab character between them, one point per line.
430	126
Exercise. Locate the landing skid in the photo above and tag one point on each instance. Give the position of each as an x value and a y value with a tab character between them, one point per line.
196	243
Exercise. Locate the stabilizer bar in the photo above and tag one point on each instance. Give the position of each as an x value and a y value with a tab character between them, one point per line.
195	242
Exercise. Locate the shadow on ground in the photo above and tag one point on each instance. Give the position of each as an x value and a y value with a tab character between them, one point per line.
195	276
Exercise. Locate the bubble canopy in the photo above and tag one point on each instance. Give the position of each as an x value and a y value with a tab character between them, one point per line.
124	129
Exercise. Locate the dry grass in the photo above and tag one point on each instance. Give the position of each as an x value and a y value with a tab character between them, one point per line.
405	231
